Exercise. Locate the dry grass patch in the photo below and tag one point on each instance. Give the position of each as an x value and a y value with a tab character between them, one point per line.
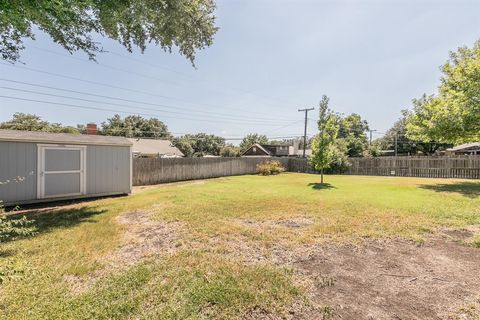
252	247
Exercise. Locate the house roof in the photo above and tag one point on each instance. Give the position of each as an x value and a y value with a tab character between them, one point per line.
465	146
61	138
152	146
259	147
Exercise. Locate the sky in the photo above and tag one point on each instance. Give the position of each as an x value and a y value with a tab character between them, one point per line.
269	58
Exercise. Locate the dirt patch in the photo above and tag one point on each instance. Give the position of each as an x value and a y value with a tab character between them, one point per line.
394	279
297	222
142	238
146	237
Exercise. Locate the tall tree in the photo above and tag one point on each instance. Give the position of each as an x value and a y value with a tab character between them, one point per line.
323	146
353	130
31	122
251	139
453	114
397	137
200	144
135	126
188	25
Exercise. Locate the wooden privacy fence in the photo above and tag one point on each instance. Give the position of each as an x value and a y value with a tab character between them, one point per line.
147	171
466	167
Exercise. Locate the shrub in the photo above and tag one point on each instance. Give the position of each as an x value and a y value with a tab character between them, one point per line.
13	228
268	167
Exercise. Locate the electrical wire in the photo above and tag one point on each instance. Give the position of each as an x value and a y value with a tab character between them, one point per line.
127	106
119	111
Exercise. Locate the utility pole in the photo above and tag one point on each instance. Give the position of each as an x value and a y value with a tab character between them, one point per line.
305	129
371	131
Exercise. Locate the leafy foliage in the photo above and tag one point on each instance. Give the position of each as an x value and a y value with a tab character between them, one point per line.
323	144
14	228
230	150
251	139
187	24
31	122
405	145
135	126
352	129
200	144
269	167
453	114
339	163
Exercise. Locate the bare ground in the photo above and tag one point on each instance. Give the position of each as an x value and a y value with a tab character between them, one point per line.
396	279
389	279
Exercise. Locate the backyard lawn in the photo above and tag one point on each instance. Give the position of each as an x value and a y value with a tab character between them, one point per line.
254	247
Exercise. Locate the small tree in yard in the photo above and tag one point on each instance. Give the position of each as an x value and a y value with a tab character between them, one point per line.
323	143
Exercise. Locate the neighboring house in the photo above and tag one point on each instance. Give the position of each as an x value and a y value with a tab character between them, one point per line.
152	148
271	150
472	148
40	166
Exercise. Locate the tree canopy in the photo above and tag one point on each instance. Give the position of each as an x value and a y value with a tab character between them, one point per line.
31	122
200	144
134	126
406	145
453	114
188	25
352	129
251	139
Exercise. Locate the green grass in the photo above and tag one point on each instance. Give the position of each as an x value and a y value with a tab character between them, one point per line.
201	279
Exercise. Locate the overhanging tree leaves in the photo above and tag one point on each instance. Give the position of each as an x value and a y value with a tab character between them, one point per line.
453	115
188	25
323	144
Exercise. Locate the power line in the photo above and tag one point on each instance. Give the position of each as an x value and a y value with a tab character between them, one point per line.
119	111
126	100
141	74
119	87
121	105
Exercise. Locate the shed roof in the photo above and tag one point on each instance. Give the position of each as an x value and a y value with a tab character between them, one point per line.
64	138
152	146
465	146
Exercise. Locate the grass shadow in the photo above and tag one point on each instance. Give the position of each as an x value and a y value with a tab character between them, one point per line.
46	221
321	186
467	189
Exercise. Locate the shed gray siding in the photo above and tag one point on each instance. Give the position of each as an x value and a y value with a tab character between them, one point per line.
107	171
18	160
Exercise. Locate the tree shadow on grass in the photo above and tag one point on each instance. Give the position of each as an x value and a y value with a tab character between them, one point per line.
46	221
467	189
321	186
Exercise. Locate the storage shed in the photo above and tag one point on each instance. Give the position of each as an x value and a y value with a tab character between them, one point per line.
40	166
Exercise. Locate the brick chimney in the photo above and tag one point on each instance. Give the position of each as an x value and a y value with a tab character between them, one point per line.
92	128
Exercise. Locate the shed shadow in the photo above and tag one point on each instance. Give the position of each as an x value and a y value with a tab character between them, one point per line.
467	189
321	186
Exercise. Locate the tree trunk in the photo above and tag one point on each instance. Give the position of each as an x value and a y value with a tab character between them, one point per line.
321	176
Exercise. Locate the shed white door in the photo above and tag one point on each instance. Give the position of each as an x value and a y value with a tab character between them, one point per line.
61	171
